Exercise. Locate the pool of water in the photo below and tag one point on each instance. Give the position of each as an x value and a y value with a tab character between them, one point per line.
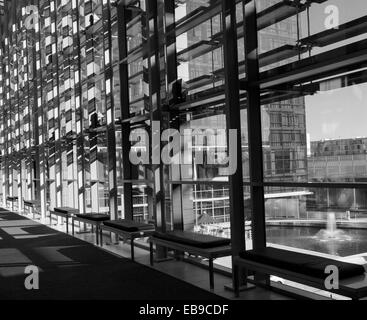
308	238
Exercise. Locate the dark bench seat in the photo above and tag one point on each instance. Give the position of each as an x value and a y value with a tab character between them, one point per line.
129	230
12	199
31	206
64	212
302	268
128	225
95	219
193	239
30	203
206	246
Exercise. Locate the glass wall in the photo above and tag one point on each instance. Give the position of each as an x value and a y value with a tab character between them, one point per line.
313	144
126	109
57	71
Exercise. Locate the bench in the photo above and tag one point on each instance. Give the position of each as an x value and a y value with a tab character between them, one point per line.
31	206
356	211
64	212
206	246
301	268
12	200
95	219
128	230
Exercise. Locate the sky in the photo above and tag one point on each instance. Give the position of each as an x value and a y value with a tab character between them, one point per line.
339	113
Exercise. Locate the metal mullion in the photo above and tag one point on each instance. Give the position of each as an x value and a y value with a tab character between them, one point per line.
63	146
233	121
80	118
10	155
6	130
254	126
125	110
4	147
111	129
153	56
171	76
69	96
2	134
43	149
57	143
19	154
37	183
330	185
92	112
9	131
28	95
149	169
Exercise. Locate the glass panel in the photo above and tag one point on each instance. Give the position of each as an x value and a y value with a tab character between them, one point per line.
319	138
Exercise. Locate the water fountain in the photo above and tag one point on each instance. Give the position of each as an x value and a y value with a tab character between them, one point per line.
331	233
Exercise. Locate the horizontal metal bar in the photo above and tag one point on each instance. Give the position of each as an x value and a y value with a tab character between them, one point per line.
323	65
325	185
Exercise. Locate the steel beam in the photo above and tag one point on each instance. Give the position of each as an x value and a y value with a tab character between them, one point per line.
125	110
233	120
254	126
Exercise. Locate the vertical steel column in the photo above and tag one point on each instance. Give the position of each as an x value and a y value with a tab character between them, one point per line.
6	161
3	132
170	58
36	176
125	110
111	136
154	25
18	152
56	104
233	119
254	126
94	159
79	115
153	49
41	135
11	127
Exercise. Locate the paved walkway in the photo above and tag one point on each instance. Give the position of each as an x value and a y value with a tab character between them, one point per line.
69	268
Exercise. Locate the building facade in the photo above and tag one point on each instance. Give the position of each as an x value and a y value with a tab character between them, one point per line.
339	160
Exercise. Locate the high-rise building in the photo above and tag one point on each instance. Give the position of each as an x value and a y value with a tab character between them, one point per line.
340	160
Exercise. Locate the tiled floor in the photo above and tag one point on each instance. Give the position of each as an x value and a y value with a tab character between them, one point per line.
182	270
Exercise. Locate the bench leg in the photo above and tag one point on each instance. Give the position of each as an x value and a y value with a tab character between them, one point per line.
132	249
211	274
67	225
97	234
236	281
100	235
151	253
72	227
